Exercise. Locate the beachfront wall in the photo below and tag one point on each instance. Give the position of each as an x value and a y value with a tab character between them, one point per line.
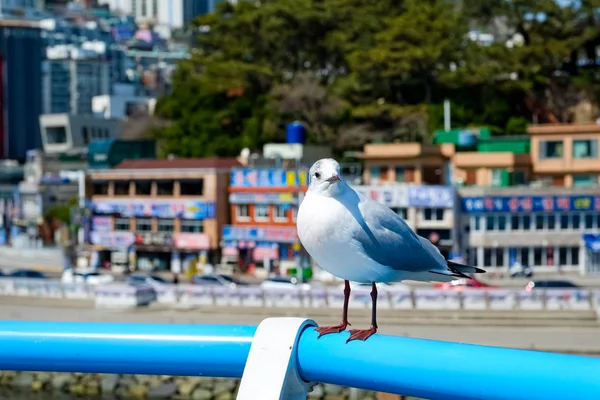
281	357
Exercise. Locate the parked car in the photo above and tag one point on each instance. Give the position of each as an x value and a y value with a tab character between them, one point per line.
284	282
89	277
26	273
151	280
217	279
551	284
462	284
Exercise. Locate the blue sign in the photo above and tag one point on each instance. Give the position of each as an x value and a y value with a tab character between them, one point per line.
263	198
188	209
266	234
515	204
592	241
431	196
267	178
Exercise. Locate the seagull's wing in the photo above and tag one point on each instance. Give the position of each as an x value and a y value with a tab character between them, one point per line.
386	238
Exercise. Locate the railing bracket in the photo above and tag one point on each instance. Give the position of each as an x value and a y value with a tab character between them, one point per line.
271	372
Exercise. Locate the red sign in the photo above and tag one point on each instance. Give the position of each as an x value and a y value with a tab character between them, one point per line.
191	241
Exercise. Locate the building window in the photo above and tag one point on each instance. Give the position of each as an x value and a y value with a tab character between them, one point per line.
100	188
294	213
192	225
400	176
280	213
551	222
143	225
433	214
564	221
56	135
589	221
473	258
375	173
143	188
401	211
540	222
86	135
526	222
191	187
574	255
502	222
585	180
585	148
476	223
121	188
489	223
242	212
122	224
551	149
538	256
166	225
261	212
497	175
164	188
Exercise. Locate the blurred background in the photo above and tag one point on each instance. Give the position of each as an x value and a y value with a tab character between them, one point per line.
154	155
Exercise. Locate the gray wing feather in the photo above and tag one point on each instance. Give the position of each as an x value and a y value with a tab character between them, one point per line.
386	238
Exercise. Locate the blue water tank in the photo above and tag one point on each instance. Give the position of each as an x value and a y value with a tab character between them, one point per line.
466	138
295	133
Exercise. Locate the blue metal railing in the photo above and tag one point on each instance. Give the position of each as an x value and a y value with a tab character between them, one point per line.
417	367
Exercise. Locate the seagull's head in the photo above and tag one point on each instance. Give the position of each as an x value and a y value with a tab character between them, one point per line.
326	178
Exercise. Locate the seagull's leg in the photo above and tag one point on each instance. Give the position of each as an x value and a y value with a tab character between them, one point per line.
324	330
364	334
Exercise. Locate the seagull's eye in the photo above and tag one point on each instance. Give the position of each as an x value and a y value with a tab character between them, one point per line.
317	175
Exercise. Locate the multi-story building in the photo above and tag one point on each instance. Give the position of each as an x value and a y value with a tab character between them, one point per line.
540	222
21	85
412	179
171	13
264	205
71	80
152	213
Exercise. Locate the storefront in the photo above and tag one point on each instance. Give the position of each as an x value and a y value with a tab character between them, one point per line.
112	247
153	251
262	245
542	231
191	252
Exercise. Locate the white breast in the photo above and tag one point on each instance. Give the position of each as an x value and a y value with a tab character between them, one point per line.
325	228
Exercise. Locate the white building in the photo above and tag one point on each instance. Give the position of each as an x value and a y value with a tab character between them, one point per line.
171	13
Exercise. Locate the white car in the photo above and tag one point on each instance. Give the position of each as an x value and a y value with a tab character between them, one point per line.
86	276
284	282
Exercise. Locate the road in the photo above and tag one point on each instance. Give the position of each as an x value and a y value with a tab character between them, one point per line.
561	339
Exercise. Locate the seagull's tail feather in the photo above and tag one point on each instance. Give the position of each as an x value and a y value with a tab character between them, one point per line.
464	269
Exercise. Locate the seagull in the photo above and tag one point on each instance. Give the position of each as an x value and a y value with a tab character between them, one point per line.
358	239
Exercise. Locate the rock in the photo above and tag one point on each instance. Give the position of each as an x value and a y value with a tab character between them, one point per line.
201	394
23	380
108	383
138	391
6	377
317	392
163	391
334	397
60	382
44	377
92	388
77	389
187	388
223	387
224	396
37	386
332	389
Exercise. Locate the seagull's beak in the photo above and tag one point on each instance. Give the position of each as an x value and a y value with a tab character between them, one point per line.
334	178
